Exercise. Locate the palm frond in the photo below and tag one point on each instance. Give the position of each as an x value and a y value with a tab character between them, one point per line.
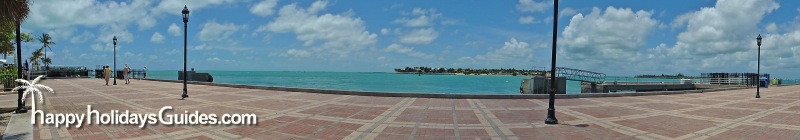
25	94
37	79
24	82
37	92
17	88
43	87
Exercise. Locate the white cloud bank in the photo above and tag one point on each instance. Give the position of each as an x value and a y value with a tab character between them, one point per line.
157	38
339	34
608	35
264	8
513	53
397	48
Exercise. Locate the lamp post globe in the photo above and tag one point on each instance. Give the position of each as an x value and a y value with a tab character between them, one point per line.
185	14
758	67
115	60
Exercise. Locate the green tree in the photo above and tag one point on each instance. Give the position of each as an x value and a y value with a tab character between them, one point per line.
8	39
13	12
35	56
46	61
46	41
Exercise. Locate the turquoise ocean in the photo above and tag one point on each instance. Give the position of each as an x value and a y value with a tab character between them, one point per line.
387	82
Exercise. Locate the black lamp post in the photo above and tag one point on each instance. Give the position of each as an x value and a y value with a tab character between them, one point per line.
20	105
115	60
551	110
185	14
758	76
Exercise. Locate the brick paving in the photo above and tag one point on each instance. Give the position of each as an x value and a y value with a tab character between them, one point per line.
293	115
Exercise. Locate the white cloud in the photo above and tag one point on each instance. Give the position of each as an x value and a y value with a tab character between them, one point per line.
772	27
128	54
217	59
83	37
424	17
146	22
471	43
341	34
174	30
63	13
172	52
213	31
718	37
534	6
567	12
103	47
384	31
297	53
264	8
202	47
397	48
420	36
781	50
610	35
157	38
175	6
512	52
107	32
526	20
213	59
415	22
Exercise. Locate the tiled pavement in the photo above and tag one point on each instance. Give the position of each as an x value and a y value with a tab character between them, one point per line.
283	115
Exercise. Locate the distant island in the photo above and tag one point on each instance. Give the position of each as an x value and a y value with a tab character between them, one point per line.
468	71
666	76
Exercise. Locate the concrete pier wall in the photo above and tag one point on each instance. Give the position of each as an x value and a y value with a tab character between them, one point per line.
540	85
643	87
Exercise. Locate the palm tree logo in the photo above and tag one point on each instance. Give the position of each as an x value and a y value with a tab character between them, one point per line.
32	88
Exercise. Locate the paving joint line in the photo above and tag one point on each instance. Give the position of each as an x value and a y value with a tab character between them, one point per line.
402	105
491	122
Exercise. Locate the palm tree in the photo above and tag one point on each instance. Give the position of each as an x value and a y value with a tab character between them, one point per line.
32	88
7	39
12	13
46	61
15	11
46	41
35	56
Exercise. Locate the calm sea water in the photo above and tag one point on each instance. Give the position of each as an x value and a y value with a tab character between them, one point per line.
384	82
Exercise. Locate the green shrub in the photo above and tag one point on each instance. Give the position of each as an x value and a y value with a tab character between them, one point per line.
7	77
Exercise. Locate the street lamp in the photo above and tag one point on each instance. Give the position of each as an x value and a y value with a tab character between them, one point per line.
115	60
758	76
185	14
551	111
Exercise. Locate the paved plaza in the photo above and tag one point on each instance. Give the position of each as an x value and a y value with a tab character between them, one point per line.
731	114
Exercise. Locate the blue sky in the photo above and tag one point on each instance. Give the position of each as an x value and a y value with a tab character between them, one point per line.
617	37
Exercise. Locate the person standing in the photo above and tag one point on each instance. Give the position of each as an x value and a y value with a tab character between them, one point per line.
126	74
144	72
106	73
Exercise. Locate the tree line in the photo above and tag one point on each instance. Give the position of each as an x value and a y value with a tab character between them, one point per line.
469	71
666	76
8	44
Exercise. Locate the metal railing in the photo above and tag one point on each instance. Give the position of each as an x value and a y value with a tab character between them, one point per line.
580	75
8	81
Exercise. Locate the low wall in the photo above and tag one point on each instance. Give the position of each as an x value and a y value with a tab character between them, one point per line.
644	87
451	96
